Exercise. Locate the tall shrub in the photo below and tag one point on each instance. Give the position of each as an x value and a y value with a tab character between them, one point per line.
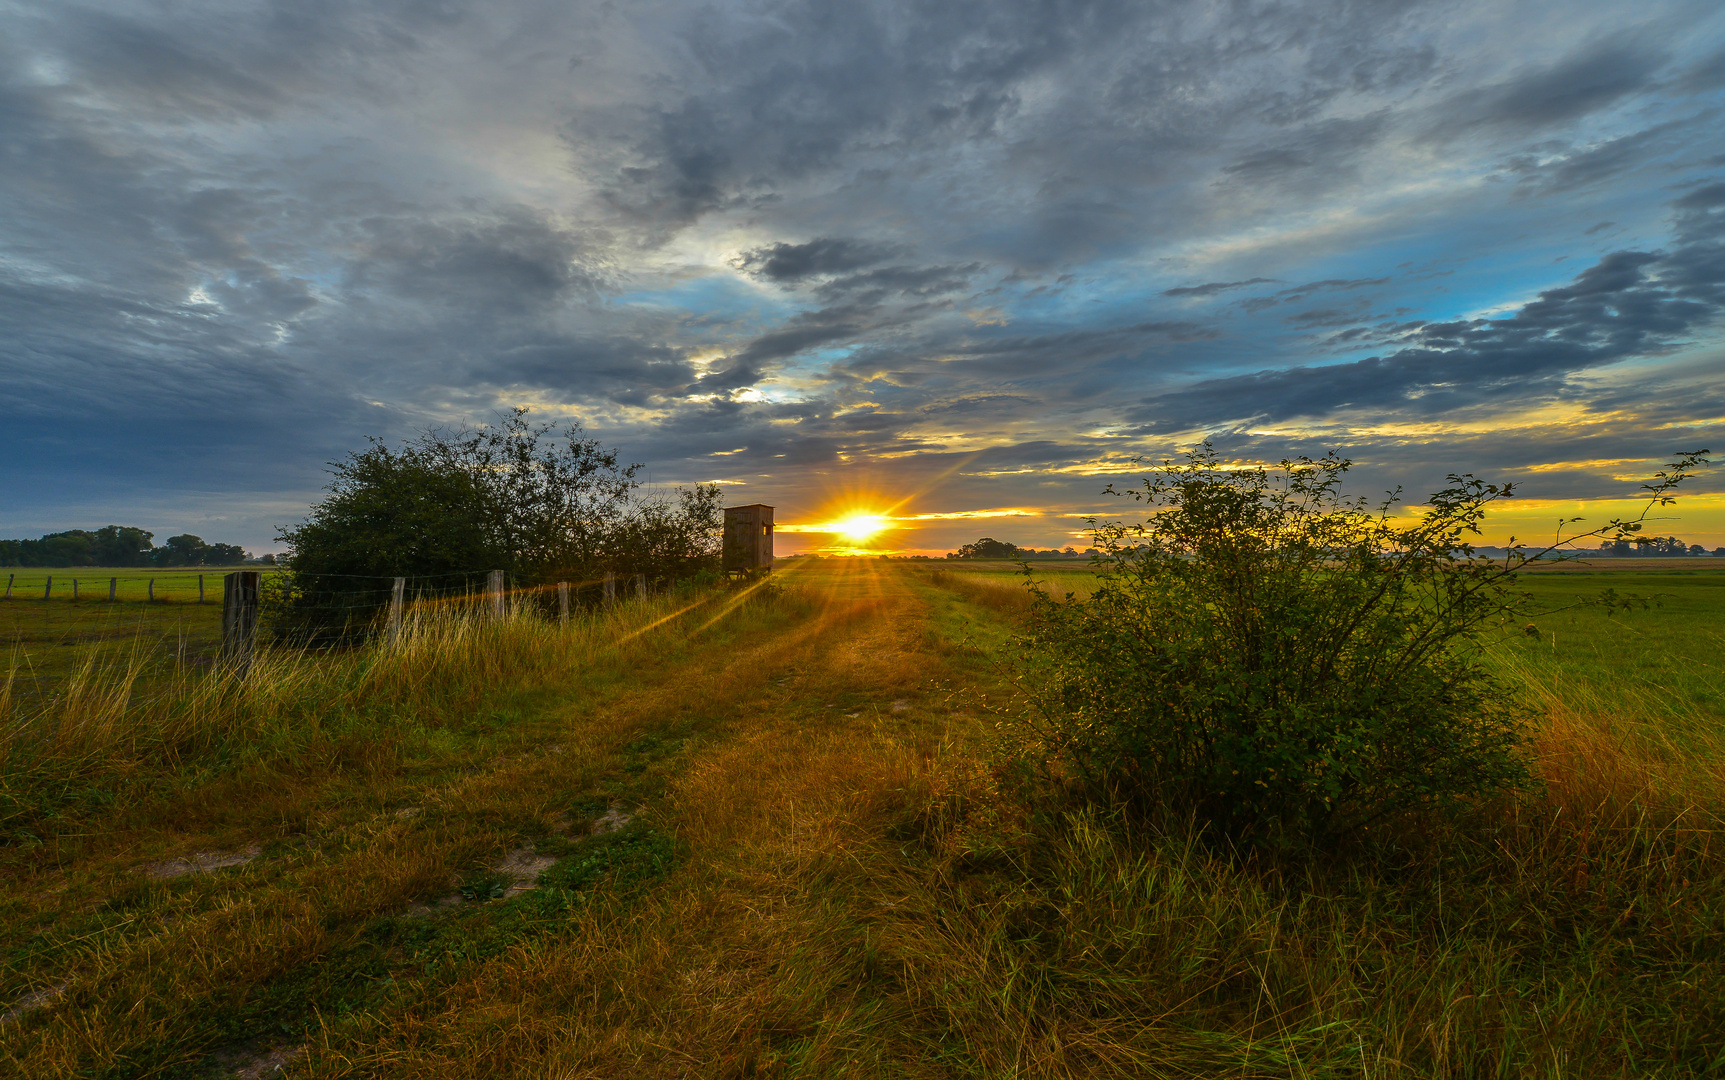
1282	662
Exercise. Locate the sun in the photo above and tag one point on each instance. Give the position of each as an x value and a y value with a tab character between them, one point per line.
859	527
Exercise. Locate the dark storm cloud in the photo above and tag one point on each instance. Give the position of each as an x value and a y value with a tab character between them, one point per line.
514	259
1628	304
817	258
1298	293
1320	152
159	69
1588	80
308	221
1211	288
913	281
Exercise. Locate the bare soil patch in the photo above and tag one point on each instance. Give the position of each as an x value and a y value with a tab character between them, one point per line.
202	862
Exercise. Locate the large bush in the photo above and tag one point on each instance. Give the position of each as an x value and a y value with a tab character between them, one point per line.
540	502
1280	662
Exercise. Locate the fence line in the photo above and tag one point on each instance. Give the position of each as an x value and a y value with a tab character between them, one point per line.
342	610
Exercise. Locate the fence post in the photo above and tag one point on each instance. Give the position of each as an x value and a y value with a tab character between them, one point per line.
150	590
74	590
113	587
9	578
239	619
563	603
48	589
640	586
200	588
494	585
397	594
610	589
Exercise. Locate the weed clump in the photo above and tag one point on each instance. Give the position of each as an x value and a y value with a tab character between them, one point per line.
1278	661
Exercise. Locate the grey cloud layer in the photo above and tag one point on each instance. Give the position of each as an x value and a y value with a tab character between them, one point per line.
823	231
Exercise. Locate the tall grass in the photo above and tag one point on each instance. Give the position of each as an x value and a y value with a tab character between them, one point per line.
863	892
1580	933
1002	592
121	717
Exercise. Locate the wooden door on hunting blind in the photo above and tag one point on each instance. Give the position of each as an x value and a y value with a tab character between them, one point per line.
748	538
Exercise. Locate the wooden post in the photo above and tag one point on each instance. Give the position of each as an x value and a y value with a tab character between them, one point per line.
150	590
562	603
9	578
640	586
74	590
397	594
610	589
48	589
200	588
113	587
494	585
239	619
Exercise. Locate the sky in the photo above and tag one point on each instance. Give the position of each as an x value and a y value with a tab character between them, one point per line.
960	264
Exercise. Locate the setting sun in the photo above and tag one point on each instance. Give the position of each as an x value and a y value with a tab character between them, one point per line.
859	527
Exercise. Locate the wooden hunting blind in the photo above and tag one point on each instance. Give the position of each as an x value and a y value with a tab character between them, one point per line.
748	538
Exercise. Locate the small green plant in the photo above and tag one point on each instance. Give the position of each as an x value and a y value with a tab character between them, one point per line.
485	887
1284	663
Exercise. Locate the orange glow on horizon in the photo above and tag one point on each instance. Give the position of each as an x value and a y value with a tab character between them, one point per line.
859	527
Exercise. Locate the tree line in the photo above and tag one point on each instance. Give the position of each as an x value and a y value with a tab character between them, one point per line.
117	545
990	548
1655	546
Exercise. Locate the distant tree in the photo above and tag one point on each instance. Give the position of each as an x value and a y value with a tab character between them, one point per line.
1697	549
74	547
225	555
114	545
182	550
988	548
120	545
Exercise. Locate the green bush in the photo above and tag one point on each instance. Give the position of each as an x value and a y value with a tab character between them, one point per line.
1280	662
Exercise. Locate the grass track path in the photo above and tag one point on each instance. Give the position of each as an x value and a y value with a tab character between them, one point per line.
732	748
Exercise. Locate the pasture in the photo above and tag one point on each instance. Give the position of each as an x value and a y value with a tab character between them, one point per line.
770	832
44	641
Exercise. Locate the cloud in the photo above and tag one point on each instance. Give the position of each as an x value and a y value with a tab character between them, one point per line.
1628	304
1592	78
704	227
818	258
1211	288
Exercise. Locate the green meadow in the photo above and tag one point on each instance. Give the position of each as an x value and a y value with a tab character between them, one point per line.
131	583
44	641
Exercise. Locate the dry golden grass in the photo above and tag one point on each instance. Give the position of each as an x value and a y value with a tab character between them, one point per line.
859	889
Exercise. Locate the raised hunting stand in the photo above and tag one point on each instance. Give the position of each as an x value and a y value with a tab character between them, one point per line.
748	540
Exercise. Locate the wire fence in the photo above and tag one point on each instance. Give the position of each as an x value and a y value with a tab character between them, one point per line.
281	607
103	585
323	610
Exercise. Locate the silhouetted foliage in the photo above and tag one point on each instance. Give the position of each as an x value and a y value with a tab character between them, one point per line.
540	502
669	537
116	545
987	548
1281	662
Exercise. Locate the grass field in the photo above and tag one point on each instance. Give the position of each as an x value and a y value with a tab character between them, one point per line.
131	583
767	834
45	641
